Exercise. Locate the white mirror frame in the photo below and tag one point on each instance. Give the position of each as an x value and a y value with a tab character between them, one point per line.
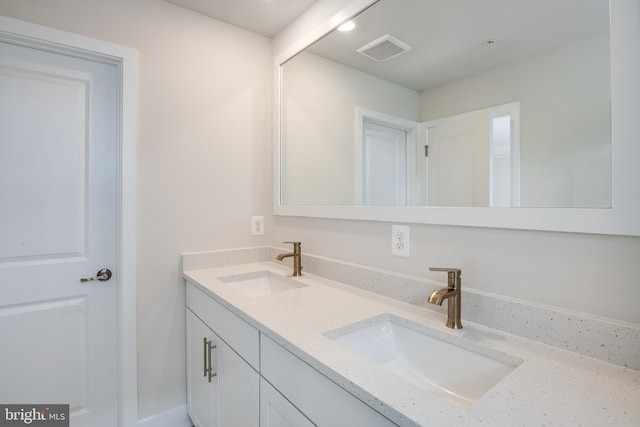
623	218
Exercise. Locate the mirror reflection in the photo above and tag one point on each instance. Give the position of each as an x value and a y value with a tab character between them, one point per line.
452	103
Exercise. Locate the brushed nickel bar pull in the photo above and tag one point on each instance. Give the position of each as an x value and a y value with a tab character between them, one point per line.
211	373
204	359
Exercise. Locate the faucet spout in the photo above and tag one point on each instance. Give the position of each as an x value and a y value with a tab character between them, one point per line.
438	297
280	257
452	294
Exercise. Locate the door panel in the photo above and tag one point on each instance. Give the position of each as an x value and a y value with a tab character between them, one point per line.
58	139
459	161
65	381
36	174
384	165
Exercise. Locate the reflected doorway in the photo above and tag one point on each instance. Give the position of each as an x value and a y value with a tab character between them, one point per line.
474	158
386	160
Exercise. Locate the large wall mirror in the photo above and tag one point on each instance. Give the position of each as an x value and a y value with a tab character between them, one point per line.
494	105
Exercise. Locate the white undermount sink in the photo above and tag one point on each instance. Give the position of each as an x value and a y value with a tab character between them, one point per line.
261	283
413	352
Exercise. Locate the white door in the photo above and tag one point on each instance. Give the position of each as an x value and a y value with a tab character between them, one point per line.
458	171
58	137
384	165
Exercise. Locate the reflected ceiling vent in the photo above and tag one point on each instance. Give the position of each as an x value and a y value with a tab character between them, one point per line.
384	48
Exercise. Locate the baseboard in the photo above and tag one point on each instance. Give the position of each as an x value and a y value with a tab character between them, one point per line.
174	417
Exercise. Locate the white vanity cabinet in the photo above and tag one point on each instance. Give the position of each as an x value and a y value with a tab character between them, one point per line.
223	389
257	382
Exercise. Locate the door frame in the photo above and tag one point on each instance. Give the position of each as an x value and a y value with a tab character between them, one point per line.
126	60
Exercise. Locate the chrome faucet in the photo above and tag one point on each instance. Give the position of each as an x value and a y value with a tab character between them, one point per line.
297	258
451	293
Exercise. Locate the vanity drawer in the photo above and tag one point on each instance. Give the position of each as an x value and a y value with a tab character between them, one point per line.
321	400
237	333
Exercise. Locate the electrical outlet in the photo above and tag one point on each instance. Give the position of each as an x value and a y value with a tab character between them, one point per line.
257	225
400	240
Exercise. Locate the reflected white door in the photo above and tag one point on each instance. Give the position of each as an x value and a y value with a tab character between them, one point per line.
458	172
58	135
384	165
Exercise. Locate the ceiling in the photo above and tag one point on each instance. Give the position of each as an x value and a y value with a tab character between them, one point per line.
448	36
266	17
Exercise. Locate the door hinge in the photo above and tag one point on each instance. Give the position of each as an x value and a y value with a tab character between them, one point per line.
426	151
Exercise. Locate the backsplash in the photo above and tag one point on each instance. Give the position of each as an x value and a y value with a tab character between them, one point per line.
226	257
600	338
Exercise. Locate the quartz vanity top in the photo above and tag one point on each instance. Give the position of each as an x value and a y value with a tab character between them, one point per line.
551	387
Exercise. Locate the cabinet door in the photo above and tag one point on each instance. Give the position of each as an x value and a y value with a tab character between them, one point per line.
202	396
276	411
231	397
239	388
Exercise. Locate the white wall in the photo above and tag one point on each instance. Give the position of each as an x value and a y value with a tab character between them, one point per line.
203	154
319	101
596	274
565	130
204	165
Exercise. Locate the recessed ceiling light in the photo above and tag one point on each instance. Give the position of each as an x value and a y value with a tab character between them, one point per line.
347	26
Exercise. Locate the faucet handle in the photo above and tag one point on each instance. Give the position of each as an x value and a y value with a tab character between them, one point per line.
453	274
448	270
296	247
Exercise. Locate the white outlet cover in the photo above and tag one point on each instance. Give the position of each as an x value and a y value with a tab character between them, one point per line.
257	225
400	240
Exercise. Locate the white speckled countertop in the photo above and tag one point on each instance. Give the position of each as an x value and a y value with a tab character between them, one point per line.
552	387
